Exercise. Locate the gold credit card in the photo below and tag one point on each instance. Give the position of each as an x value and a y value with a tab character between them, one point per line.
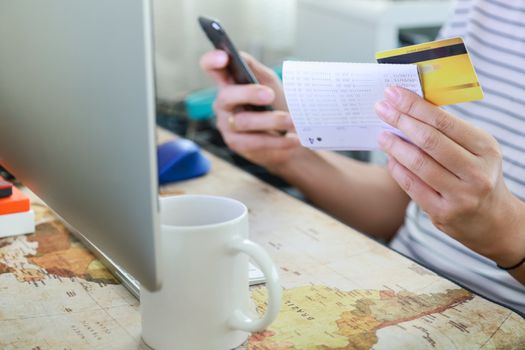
446	72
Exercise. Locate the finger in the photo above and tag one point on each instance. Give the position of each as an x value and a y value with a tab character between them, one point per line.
444	150
417	162
428	199
232	96
262	121
222	122
244	143
260	70
461	132
214	63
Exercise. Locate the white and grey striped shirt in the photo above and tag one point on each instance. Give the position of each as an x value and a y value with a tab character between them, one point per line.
494	33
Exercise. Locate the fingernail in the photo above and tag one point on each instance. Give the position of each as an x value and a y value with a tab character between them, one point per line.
221	58
384	110
266	95
383	139
392	94
382	107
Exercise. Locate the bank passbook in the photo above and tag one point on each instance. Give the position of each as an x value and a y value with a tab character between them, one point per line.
332	104
446	71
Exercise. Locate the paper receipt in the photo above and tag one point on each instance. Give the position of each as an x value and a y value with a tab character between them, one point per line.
332	104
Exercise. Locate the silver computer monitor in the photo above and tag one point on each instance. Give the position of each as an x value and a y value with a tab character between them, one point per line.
77	119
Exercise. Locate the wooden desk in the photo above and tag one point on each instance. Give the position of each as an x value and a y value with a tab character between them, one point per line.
342	290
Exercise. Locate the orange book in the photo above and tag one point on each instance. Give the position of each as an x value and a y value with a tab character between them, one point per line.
16	203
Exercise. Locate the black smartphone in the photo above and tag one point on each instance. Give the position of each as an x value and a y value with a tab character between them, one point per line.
237	67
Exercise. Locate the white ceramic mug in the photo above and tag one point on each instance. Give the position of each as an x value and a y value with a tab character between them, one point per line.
204	302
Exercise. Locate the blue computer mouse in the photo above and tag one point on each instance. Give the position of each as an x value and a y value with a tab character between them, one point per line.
180	159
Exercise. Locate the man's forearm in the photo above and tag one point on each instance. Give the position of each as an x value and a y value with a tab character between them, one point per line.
361	195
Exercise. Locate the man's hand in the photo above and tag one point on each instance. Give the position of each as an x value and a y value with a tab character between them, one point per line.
453	171
249	133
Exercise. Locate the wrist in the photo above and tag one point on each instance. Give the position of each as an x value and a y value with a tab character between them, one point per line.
293	165
510	249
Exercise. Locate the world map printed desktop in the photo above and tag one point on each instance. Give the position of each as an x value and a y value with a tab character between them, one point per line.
71	298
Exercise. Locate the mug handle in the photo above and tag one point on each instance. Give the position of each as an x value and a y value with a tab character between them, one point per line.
239	319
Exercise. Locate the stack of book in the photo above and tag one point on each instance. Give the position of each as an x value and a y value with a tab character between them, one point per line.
16	215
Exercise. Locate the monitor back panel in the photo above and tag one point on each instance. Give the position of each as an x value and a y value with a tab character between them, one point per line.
77	119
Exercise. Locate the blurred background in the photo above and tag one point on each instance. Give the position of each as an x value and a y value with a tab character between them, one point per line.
264	28
273	30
